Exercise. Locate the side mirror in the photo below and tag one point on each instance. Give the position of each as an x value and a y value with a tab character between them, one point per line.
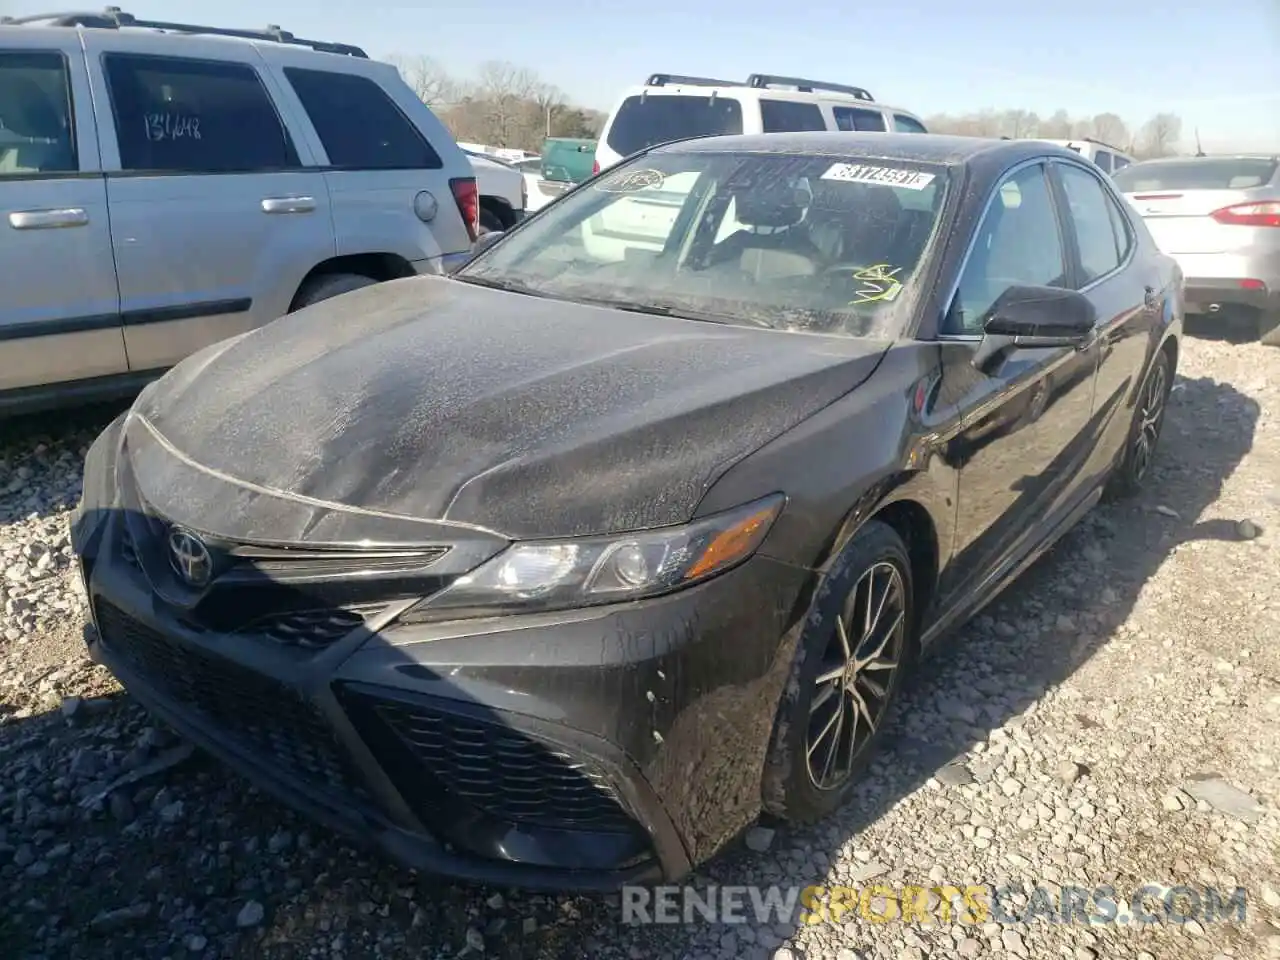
1029	317
485	241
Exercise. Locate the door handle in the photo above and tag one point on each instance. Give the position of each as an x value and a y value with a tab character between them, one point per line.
288	204
48	219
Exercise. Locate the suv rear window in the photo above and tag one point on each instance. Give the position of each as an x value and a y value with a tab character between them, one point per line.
789	116
656	118
360	126
1213	173
854	118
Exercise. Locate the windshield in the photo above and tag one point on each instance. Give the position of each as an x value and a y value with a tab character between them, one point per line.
642	122
1217	173
807	243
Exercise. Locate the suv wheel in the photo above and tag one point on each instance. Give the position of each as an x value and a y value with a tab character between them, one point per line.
329	285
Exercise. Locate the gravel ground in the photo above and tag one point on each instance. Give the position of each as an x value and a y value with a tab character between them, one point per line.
1112	719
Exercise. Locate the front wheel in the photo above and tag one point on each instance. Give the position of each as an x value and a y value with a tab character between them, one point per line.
847	670
1144	430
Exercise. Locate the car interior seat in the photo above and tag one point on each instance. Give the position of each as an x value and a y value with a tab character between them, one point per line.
35	137
772	242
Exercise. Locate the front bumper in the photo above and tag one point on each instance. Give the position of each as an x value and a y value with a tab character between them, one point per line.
572	751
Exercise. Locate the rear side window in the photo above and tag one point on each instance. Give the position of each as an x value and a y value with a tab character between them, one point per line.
36	132
1100	249
360	127
1210	173
905	124
1103	160
852	118
782	116
656	118
194	116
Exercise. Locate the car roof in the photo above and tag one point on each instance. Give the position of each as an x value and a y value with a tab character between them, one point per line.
172	41
932	148
1211	157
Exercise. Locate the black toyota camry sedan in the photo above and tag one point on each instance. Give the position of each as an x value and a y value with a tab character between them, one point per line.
559	571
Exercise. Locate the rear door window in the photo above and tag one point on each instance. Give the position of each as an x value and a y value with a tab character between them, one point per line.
36	132
194	116
1103	160
905	124
853	118
1095	227
360	127
644	121
783	116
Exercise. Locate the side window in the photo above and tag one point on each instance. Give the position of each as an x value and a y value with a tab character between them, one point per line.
194	116
782	116
1103	160
853	118
1094	222
360	126
1018	242
36	131
1120	164
905	124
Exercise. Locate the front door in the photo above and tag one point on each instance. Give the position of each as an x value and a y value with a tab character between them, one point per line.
212	211
59	307
1026	420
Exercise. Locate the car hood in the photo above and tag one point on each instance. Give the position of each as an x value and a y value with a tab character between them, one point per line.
430	400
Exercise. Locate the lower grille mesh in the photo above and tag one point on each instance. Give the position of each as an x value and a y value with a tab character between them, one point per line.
507	774
268	719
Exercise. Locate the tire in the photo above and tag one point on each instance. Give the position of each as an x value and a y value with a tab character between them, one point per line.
801	782
490	222
1140	444
1269	329
329	285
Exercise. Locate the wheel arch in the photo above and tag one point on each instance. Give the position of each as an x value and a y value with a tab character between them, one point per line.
375	266
499	207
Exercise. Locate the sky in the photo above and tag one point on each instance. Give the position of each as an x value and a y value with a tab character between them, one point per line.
1215	64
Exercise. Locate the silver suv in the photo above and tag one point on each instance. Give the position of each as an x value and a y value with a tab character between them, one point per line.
165	186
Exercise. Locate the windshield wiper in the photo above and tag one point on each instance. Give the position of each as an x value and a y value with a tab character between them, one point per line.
511	286
664	310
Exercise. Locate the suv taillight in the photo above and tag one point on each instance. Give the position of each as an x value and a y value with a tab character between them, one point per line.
1263	214
467	196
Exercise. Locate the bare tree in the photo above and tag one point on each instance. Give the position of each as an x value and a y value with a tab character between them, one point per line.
1159	135
1109	128
1019	123
426	78
1056	127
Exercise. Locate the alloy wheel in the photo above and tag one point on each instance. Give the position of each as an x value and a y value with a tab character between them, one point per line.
855	678
1150	419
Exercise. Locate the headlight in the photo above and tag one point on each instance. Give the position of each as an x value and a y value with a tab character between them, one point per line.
554	575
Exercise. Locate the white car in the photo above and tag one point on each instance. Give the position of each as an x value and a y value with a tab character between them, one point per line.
1105	156
504	195
539	191
672	107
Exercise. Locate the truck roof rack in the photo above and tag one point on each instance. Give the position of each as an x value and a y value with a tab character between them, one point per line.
113	18
1102	143
762	80
662	79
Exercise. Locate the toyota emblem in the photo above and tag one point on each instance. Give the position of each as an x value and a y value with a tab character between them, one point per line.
189	557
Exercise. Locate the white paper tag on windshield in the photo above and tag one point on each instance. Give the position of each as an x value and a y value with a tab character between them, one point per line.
884	176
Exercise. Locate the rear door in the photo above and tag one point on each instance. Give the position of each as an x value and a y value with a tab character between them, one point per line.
215	220
1127	295
1178	200
59	307
377	142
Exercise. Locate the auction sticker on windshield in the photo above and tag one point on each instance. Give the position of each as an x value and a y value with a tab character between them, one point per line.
884	176
631	181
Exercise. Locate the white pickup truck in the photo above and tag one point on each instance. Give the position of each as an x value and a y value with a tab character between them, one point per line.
504	197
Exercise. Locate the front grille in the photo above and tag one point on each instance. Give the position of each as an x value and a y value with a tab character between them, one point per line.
507	774
308	629
269	719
